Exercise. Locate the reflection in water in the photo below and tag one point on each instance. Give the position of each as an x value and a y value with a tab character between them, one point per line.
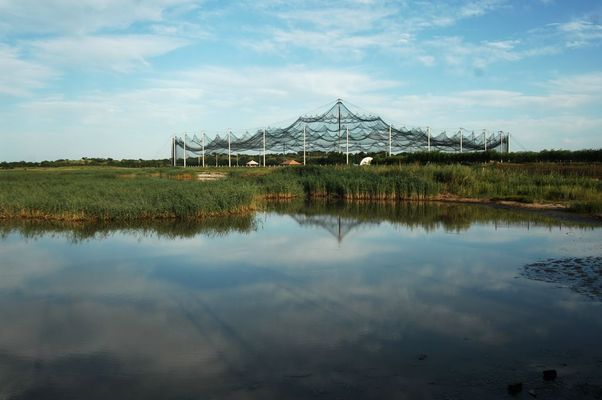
168	229
338	218
341	218
272	307
337	226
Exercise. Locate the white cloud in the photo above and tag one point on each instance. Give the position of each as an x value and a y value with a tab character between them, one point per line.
584	83
406	30
117	52
478	8
248	85
19	77
512	99
563	116
181	29
581	33
333	43
79	17
460	53
463	57
427	60
418	109
137	123
440	14
341	19
341	30
385	39
218	89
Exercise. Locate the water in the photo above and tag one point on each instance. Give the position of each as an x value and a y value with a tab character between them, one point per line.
405	302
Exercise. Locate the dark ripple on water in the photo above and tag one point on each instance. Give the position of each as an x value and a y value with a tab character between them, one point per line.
581	274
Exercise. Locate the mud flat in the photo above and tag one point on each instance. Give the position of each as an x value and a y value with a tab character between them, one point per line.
581	274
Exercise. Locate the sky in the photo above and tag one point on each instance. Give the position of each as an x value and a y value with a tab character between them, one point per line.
118	78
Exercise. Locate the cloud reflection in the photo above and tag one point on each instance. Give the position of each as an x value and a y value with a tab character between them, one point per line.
282	311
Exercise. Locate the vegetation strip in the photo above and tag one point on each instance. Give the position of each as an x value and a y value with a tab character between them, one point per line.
103	193
554	158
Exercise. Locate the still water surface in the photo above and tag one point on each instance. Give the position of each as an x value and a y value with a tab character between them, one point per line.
384	302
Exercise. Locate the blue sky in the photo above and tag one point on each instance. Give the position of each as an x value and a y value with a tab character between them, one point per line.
117	78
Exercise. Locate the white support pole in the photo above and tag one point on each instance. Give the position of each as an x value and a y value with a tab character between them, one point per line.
173	150
184	150
203	144
304	144
347	145
339	120
389	140
229	150
264	147
460	140
428	133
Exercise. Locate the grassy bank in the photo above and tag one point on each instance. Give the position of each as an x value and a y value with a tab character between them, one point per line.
113	194
124	194
578	192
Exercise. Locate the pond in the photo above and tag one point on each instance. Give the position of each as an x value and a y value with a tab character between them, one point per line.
355	301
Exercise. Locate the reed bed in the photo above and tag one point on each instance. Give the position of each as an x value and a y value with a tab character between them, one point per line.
106	195
416	182
122	194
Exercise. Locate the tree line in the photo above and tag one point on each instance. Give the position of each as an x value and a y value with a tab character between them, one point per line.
333	158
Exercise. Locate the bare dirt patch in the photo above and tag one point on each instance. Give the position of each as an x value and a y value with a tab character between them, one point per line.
214	176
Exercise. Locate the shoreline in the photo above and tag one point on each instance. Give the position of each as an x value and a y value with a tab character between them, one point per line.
108	194
557	211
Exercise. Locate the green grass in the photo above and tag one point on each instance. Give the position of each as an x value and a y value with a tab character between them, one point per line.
110	194
105	193
389	183
412	182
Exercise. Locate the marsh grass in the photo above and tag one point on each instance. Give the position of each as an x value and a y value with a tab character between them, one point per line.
104	194
126	194
416	182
